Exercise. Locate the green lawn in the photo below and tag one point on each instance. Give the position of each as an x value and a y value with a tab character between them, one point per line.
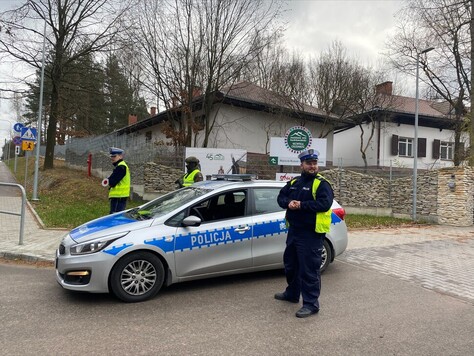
69	198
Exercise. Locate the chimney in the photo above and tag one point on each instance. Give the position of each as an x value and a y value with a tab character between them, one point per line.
153	111
384	88
132	119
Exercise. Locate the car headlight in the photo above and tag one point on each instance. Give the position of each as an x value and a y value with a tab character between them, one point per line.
95	245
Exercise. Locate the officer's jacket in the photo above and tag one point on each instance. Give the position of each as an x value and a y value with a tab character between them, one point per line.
188	178
301	189
119	181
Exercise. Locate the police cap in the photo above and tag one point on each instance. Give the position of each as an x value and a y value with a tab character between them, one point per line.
308	155
191	159
113	151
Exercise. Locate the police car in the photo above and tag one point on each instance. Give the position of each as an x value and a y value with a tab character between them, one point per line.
228	225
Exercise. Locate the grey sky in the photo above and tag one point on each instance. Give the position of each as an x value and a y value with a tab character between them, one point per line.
361	25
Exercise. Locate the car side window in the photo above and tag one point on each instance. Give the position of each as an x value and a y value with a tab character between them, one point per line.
228	205
266	200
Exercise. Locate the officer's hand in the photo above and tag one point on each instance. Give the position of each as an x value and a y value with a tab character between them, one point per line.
294	205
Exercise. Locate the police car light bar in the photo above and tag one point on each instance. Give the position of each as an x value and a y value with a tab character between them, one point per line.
236	177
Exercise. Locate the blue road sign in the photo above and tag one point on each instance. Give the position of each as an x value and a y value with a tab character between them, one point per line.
17	140
28	134
17	127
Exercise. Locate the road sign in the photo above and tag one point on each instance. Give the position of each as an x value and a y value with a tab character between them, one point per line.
17	127
17	140
27	145
273	161
17	150
28	134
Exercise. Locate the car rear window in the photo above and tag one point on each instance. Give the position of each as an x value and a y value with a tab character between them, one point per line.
266	200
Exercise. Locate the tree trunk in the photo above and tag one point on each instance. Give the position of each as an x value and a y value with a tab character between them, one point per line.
471	140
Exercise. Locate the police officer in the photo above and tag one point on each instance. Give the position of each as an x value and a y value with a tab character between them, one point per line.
193	173
119	181
308	199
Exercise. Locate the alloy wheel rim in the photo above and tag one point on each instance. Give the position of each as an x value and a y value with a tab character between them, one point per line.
138	277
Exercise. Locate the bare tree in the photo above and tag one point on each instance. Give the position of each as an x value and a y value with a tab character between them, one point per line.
195	48
343	87
74	29
444	25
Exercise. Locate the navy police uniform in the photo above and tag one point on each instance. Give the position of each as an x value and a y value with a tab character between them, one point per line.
302	256
119	182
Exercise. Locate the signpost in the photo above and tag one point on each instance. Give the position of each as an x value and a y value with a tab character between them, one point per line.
17	127
27	145
28	139
17	141
28	134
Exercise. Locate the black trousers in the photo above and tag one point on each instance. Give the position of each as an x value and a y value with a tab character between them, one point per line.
117	204
302	260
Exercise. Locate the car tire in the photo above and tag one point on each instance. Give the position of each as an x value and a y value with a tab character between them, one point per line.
137	277
326	256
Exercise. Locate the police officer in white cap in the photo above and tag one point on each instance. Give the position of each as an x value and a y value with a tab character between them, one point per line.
118	182
308	199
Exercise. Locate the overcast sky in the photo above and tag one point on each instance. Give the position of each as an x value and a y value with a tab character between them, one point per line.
361	25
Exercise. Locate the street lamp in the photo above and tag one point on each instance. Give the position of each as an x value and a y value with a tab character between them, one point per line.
38	139
415	143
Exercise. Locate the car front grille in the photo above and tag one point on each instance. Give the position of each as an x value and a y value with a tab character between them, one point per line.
62	249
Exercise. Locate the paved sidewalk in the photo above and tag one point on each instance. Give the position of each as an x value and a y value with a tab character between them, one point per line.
38	243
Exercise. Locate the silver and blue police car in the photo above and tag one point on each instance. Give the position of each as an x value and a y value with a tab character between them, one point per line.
213	228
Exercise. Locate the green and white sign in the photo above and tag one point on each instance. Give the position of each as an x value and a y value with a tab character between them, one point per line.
297	139
285	150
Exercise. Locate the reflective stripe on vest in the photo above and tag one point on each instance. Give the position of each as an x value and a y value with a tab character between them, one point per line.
122	189
323	218
188	178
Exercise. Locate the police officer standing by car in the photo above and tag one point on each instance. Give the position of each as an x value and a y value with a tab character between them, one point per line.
193	173
308	199
118	182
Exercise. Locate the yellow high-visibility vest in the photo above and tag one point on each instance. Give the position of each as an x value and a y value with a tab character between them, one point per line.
323	218
188	178
122	189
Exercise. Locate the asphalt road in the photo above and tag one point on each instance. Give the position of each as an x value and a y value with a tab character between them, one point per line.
363	312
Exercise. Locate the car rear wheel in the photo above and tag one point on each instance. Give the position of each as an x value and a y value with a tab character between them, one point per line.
137	277
326	256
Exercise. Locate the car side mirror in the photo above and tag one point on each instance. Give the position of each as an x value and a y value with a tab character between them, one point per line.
192	220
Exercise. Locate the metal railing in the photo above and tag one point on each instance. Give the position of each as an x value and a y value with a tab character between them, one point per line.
22	212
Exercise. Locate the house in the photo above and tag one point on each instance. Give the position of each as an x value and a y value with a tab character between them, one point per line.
393	138
246	116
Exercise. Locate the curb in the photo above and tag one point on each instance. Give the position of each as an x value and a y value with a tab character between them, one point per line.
25	257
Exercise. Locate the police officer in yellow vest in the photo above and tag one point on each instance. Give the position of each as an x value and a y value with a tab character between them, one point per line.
193	173
119	181
308	199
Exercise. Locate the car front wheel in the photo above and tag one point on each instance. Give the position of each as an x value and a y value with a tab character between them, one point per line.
137	277
326	256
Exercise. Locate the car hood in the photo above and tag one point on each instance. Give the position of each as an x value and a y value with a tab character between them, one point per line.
106	225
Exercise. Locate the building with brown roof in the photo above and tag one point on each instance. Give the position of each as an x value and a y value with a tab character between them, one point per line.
392	142
245	116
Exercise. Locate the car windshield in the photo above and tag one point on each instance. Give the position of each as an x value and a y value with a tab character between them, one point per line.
167	203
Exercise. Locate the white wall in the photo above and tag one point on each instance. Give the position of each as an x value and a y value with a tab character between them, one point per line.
347	143
245	129
347	148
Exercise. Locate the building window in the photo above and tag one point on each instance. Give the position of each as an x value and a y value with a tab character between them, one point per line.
405	147
148	136
446	150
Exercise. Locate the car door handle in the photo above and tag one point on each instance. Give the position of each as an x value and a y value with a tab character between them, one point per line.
242	229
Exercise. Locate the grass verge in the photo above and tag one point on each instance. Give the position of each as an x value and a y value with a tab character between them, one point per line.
69	198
